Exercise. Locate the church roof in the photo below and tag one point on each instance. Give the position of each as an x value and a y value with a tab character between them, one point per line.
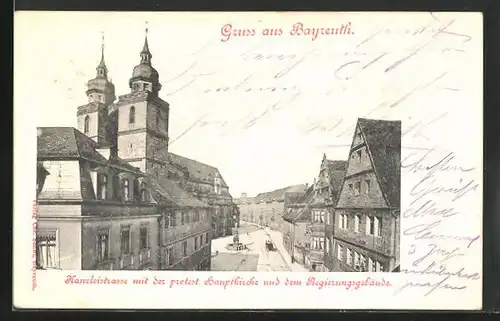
383	140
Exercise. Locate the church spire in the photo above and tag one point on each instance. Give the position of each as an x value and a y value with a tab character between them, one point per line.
145	53
102	70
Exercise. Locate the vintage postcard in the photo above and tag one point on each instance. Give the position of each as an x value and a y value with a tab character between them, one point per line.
248	160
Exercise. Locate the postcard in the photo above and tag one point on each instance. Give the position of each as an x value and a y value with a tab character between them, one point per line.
248	160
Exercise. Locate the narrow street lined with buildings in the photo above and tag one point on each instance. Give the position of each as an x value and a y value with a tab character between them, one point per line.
255	257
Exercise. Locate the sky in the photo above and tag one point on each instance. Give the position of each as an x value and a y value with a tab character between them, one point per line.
263	109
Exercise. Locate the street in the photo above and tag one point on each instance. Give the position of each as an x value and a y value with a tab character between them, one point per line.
254	258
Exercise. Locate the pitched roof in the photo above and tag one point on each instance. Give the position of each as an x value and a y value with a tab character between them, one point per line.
69	142
168	192
337	173
279	194
383	140
66	142
196	169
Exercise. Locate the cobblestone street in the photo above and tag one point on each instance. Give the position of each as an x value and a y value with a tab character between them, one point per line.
255	257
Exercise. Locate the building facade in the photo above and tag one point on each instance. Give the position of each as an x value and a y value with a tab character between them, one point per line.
326	188
296	223
266	209
366	229
111	195
93	213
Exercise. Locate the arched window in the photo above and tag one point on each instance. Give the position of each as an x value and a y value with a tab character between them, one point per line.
126	190
143	192
86	124
131	115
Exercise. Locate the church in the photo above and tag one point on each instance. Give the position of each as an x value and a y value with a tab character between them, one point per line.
110	194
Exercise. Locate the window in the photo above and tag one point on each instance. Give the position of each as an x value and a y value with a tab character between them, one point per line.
327	218
102	186
349	256
125	240
357	188
350	189
369	225
319	217
47	249
377	226
86	124
183	217
131	115
328	246
318	243
144	196
340	253
356	260
184	248
167	257
196	243
144	238
363	263
359	155
367	184
378	267
102	246
126	190
356	223
201	240
343	221
206	238
371	265
373	225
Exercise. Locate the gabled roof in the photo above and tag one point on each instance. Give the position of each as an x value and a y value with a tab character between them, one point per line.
383	141
337	174
196	169
66	142
70	143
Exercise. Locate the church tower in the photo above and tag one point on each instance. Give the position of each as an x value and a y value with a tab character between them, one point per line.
141	118
92	118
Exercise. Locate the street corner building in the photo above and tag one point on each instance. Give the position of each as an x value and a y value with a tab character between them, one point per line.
366	226
110	194
309	217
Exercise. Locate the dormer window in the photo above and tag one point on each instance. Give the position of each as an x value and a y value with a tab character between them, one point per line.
131	115
102	186
126	190
143	192
86	124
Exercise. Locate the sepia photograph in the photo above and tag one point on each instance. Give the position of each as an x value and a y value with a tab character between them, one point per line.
189	153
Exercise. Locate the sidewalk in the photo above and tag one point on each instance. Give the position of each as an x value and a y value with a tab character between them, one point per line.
277	238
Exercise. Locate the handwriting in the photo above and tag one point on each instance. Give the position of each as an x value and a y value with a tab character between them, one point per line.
441	165
434	270
435	250
425	232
